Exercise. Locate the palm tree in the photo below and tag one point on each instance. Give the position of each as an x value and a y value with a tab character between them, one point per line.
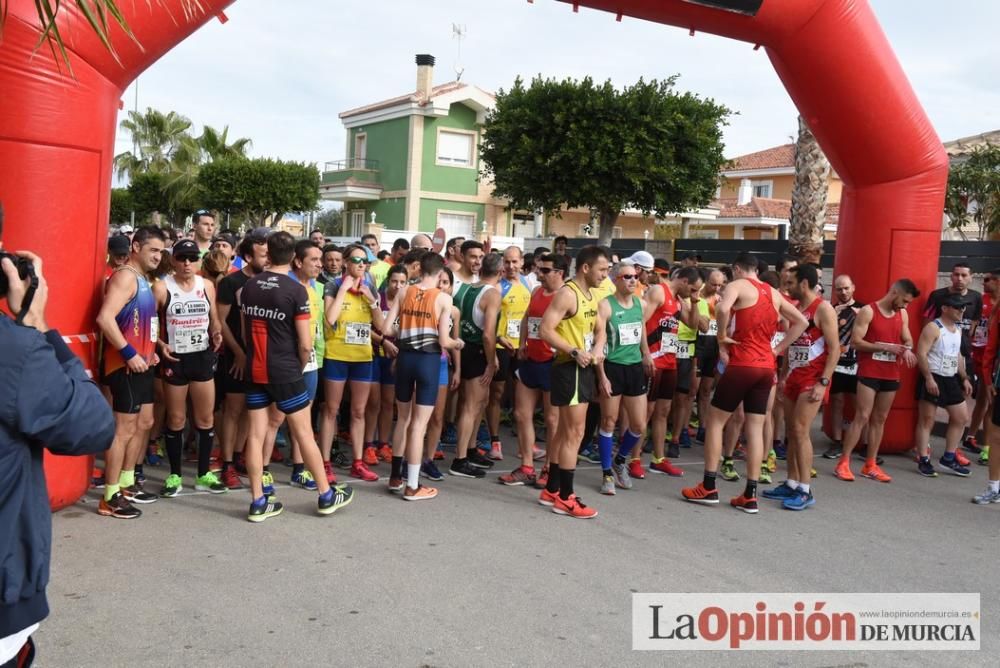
215	146
812	172
158	137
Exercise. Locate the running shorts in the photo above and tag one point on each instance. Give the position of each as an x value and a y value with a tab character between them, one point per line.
229	384
197	367
663	384
473	361
843	383
572	385
684	368
507	363
130	391
798	384
626	379
748	385
289	397
950	391
418	372
536	375
879	384
339	372
312	382
383	368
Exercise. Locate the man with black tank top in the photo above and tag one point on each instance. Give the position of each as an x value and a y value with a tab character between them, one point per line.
845	374
882	338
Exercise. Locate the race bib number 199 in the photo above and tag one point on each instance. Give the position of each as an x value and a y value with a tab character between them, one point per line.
358	333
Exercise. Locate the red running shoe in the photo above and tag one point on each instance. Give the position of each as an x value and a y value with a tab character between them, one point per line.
573	507
362	472
961	459
542	479
743	503
371	455
664	466
385	453
698	494
331	477
547	498
635	469
231	479
276	456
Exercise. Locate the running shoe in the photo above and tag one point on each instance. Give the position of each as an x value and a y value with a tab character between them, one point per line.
97	478
953	466
154	454
338	497
834	451
476	459
450	434
740	452
800	501
341	459
743	503
421	493
362	472
860	454
385	453
466	470
331	477
518	477
989	496
685	439
276	456
812	472
304	480
925	468
537	453
728	471
608	485
875	472
482	434
589	455
961	459
843	471
118	506
673	450
231	479
209	483
700	436
263	510
439	453
780	450
771	463
171	486
635	469
430	471
664	466
136	495
547	498
698	494
765	476
543	478
239	464
496	451
621	475
396	484
970	444
370	456
267	480
780	493
573	507
984	456
140	477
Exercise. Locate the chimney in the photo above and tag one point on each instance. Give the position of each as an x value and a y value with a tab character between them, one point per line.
425	75
745	192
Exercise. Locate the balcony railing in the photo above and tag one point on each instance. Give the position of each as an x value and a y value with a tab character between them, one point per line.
350	163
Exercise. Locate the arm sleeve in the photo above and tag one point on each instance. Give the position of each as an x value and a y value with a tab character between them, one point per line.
70	416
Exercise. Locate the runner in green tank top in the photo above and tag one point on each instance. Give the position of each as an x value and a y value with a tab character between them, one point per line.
624	372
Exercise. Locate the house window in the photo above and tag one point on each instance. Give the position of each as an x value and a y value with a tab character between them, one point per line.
357	222
360	150
762	188
455	148
703	234
456	224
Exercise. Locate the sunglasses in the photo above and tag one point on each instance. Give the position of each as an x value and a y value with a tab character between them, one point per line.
357	260
545	270
628	277
186	258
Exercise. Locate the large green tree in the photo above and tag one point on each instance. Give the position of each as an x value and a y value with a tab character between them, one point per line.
578	144
259	189
159	139
974	190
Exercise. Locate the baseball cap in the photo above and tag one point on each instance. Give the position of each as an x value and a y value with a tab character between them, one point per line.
226	237
260	233
641	259
119	245
126	229
954	301
186	248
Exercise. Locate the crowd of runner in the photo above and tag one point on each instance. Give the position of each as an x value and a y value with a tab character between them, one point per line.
215	345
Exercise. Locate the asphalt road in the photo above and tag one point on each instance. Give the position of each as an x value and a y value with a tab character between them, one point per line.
483	576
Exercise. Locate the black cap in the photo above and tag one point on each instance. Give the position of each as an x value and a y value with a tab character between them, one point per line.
661	266
226	237
260	233
954	301
119	245
185	248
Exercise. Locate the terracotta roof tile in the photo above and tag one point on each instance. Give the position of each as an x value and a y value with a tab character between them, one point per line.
769	158
436	91
758	207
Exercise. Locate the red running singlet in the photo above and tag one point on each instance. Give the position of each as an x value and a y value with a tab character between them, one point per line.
753	328
661	331
535	347
880	365
807	356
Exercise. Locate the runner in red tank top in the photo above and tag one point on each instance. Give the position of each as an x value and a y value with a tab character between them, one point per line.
882	338
810	363
980	336
745	350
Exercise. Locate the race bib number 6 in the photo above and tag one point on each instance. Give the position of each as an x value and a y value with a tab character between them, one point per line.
629	333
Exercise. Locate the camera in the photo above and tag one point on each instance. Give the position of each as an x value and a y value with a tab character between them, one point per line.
24	270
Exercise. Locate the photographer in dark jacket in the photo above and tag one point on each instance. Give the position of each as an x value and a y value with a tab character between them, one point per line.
46	401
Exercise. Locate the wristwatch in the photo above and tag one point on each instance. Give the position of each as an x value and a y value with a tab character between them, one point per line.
573	353
824	381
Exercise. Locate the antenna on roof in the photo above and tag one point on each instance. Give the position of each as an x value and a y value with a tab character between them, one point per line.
458	32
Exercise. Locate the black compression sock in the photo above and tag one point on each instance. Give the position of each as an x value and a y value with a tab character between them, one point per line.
397	467
174	441
205	441
298	468
751	491
566	483
606	472
619	460
552	486
709	480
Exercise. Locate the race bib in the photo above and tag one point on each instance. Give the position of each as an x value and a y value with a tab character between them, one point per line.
683	350
629	333
154	329
847	370
513	329
358	333
190	340
777	339
588	341
313	363
713	328
533	326
668	344
798	356
949	365
882	356
982	332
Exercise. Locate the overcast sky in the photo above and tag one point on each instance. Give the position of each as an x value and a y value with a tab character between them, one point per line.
280	77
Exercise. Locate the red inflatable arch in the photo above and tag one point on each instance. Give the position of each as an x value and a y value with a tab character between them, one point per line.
57	143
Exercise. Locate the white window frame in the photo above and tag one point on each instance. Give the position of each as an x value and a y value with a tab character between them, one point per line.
769	184
357	222
360	140
473	136
450	230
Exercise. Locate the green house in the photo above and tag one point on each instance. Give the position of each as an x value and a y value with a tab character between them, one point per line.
413	161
